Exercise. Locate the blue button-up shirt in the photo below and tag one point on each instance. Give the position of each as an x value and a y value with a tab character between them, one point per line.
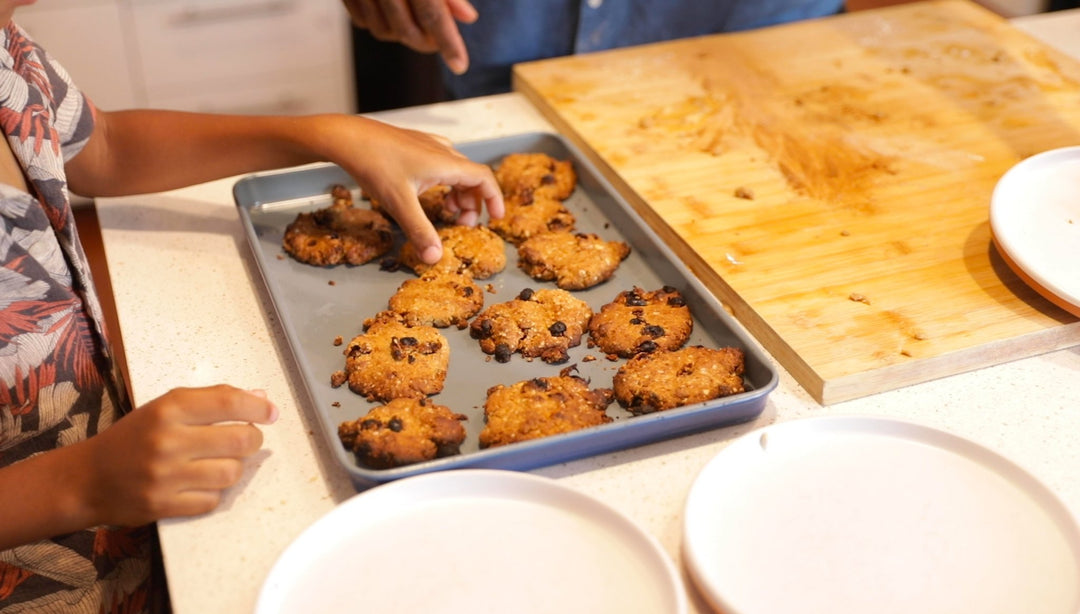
511	31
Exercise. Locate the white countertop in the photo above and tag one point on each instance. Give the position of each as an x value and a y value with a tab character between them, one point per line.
193	311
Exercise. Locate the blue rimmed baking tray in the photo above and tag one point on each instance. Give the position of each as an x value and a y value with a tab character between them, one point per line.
315	305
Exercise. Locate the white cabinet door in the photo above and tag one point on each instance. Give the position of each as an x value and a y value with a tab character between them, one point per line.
89	41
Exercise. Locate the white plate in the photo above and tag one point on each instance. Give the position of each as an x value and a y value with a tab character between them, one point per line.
1035	221
843	515
473	541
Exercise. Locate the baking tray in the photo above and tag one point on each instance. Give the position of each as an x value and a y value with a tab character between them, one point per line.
316	304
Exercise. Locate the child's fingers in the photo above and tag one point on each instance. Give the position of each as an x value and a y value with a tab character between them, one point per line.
223	441
222	404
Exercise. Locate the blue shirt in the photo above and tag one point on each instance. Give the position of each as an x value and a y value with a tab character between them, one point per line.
511	31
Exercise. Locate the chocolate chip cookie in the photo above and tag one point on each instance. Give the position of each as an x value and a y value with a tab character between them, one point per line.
392	359
540	407
574	261
538	173
528	214
541	323
639	321
475	249
663	380
340	233
438	299
403	432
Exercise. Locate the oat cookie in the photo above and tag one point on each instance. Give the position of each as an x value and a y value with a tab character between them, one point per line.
538	173
338	234
541	323
475	249
527	215
639	321
664	380
541	407
403	432
391	359
438	299
574	261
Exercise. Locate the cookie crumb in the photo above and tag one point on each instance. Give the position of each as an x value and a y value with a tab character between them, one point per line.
858	298
331	283
588	358
844	233
338	340
336	404
744	192
281	256
337	378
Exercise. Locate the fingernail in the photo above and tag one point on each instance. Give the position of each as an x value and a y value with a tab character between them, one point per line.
431	254
275	413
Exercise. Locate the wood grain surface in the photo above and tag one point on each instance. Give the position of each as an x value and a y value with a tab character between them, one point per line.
830	180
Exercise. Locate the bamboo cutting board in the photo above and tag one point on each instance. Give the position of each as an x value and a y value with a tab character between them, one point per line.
830	180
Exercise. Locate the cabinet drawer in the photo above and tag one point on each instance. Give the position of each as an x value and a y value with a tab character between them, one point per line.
323	90
209	40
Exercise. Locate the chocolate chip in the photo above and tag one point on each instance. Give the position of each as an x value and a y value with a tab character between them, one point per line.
647	346
370	424
636	321
558	329
653	331
526	294
676	301
395	424
502	352
409	341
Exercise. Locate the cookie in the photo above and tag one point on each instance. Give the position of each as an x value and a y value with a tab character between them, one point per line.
391	359
536	173
528	215
664	380
438	299
403	432
540	407
475	249
338	234
544	324
639	321
574	261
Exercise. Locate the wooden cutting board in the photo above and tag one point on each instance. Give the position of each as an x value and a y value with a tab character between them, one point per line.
830	180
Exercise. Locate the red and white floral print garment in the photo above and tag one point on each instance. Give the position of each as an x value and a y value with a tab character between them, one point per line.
58	382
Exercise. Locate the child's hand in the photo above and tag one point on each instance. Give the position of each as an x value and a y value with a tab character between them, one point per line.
393	165
175	455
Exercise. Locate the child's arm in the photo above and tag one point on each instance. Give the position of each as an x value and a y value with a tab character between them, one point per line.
135	152
171	457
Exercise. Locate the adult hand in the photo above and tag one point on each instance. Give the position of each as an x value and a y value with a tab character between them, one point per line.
393	165
175	455
426	26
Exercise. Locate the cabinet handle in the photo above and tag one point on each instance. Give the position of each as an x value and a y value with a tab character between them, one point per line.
201	16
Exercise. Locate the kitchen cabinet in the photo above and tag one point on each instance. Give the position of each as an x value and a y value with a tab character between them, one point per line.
227	56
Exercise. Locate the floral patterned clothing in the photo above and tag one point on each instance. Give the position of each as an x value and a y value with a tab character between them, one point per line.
58	382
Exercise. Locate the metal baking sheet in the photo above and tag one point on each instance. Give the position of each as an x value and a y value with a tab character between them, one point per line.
316	304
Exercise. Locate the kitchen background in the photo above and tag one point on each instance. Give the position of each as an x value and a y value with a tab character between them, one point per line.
251	56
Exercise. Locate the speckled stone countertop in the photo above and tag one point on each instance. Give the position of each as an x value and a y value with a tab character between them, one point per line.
194	312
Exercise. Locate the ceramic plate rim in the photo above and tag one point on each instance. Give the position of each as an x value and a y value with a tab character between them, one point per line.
1017	252
489	484
874	425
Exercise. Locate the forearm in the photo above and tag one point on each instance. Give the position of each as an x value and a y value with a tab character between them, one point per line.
135	152
44	496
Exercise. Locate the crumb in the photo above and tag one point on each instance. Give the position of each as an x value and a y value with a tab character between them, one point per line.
337	378
744	193
905	353
281	256
336	404
612	357
844	233
490	289
331	283
588	358
338	340
858	298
